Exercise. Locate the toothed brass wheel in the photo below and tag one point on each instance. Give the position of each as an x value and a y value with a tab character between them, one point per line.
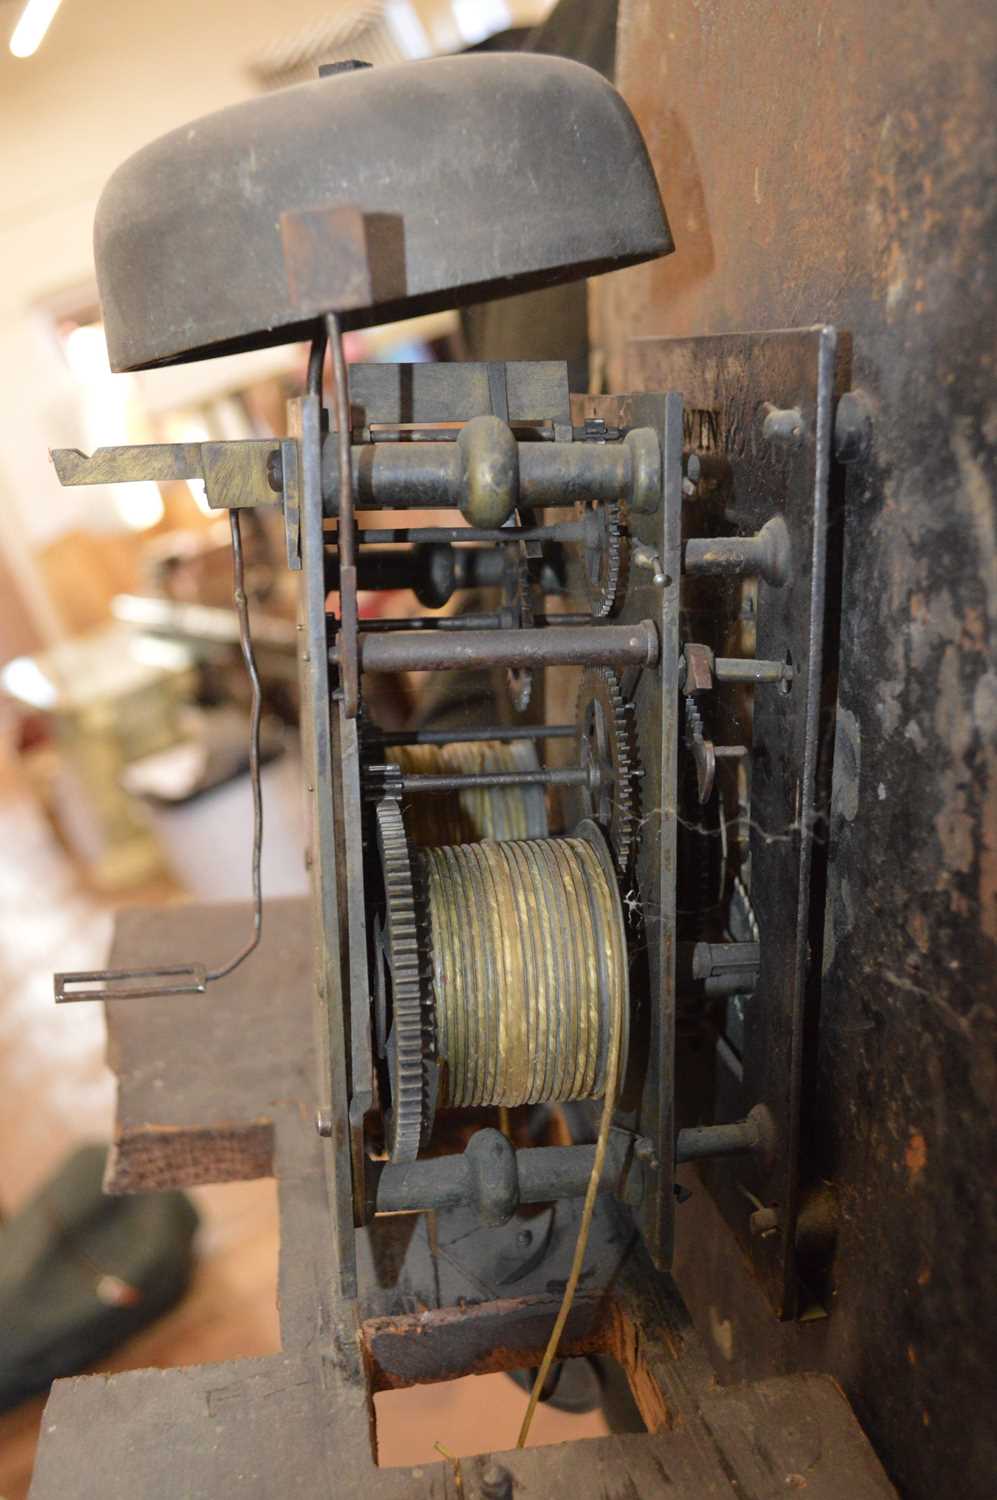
603	555
403	1006
607	749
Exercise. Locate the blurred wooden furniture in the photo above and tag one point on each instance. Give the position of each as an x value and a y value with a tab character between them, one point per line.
110	699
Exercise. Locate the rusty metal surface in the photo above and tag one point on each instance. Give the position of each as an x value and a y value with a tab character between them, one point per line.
326	258
848	176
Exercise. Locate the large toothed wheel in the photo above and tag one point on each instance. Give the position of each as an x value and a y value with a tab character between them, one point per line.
607	749
403	1001
701	749
603	555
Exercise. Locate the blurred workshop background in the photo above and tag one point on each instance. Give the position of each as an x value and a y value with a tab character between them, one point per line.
123	699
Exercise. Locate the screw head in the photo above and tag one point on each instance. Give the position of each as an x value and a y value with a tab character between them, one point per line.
323	1122
852	428
496	1483
644	1150
783	425
763	1222
524	1239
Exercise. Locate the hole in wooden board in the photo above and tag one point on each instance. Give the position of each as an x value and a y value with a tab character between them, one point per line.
482	1413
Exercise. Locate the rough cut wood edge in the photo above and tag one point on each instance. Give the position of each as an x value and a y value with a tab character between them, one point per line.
152	1158
202	1079
448	1342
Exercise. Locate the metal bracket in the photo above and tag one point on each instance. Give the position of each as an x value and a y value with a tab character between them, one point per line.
291	486
236	474
326	257
116	984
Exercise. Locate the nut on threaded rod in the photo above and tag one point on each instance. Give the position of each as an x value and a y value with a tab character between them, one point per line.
496	1483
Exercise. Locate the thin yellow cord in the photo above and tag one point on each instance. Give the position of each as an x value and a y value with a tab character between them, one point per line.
581	1245
458	1476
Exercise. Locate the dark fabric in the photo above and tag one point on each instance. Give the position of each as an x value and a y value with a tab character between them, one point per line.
81	1272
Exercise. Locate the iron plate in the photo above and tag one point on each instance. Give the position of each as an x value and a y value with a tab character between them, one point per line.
649	890
731	385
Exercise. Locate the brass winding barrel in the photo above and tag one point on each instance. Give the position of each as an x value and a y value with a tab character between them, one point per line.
529	962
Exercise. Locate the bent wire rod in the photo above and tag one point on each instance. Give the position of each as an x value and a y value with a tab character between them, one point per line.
193	978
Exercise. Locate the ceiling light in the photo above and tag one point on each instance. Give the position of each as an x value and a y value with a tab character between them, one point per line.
29	33
140	505
477	20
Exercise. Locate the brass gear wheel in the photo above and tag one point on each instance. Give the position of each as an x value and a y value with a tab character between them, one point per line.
406	1024
603	554
607	748
701	749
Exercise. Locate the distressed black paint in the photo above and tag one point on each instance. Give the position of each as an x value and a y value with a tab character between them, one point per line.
836	163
